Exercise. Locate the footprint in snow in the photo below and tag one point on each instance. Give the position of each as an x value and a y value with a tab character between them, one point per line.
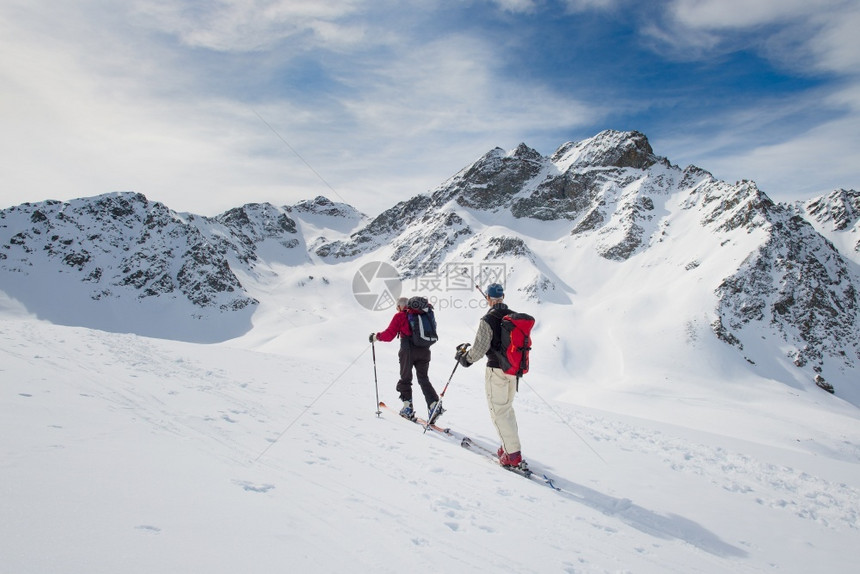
251	487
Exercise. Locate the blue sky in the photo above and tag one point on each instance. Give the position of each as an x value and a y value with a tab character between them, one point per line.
209	105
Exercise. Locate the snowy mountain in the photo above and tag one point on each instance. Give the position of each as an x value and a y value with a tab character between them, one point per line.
122	263
182	393
762	271
773	281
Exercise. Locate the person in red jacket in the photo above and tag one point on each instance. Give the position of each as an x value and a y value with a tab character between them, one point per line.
411	356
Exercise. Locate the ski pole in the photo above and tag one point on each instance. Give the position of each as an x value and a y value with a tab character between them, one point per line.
441	396
375	381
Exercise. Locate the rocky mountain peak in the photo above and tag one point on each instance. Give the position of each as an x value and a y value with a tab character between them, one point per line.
609	148
322	205
733	206
239	232
492	181
525	153
258	221
840	209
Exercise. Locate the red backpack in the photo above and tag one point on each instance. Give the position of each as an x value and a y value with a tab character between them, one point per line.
516	343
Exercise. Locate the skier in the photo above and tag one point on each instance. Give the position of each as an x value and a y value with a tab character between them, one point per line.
499	386
410	356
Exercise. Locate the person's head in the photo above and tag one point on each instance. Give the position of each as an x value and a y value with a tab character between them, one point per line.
402	303
495	293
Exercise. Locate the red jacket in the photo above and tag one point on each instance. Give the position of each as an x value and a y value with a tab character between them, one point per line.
399	327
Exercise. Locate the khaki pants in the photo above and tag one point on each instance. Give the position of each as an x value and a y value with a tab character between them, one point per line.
501	390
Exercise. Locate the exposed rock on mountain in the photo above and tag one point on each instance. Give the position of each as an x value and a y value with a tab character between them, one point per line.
493	181
840	210
837	217
119	242
797	282
501	247
378	232
324	214
425	243
243	229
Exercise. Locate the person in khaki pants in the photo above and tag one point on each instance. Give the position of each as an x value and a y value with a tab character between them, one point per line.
501	388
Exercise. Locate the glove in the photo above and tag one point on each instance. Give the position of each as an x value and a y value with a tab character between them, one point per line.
372	337
460	355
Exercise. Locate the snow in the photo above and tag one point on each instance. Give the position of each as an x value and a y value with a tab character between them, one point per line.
265	453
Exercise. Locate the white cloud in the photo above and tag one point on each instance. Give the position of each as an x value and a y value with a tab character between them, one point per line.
575	6
725	14
425	115
162	97
454	84
837	46
792	33
248	25
516	6
91	104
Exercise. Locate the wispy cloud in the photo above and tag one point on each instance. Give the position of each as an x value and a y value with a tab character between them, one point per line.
795	145
251	25
730	14
577	6
517	6
793	33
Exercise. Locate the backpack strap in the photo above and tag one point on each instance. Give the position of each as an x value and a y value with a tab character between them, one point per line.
496	353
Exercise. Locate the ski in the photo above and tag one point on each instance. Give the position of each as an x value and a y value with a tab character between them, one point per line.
417	420
522	470
478	448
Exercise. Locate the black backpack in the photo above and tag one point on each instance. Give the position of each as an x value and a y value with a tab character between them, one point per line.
422	321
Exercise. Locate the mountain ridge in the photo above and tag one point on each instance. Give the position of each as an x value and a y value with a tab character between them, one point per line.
757	269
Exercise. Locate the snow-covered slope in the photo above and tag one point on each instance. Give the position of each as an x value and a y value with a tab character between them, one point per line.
121	453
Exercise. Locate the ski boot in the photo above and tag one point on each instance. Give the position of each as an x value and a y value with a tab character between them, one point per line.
407	411
435	412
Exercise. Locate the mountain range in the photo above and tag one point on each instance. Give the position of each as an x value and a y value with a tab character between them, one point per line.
627	260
